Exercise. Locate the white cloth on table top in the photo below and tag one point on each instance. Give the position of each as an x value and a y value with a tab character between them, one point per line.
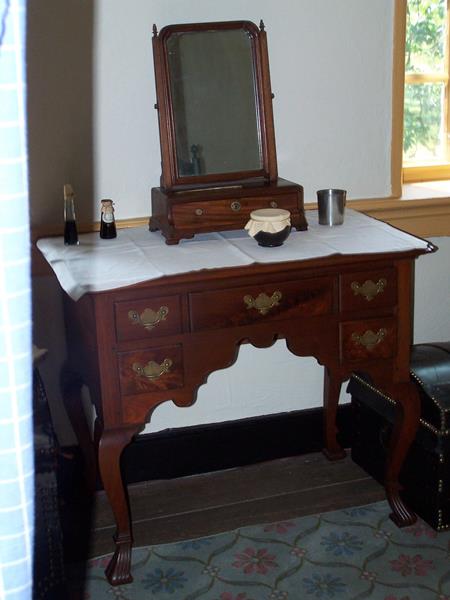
138	255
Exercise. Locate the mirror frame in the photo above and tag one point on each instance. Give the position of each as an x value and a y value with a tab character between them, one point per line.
170	178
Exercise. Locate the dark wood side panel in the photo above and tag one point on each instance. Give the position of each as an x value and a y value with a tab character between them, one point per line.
82	346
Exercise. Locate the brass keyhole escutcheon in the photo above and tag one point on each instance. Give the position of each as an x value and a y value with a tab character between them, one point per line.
236	206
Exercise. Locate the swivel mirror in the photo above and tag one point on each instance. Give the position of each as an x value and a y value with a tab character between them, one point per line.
217	138
207	125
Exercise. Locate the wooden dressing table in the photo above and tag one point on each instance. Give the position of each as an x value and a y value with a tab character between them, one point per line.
138	346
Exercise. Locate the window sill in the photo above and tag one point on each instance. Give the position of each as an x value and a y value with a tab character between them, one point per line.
423	209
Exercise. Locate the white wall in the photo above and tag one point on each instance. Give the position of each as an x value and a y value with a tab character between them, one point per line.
432	295
331	73
330	66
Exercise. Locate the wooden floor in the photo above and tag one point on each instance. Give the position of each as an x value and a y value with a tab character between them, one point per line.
189	507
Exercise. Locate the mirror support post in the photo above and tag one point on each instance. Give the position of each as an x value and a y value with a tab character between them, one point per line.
167	172
269	132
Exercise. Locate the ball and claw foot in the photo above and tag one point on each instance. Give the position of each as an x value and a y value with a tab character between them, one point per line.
336	453
118	571
400	515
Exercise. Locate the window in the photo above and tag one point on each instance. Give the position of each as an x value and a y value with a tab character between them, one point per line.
421	209
426	126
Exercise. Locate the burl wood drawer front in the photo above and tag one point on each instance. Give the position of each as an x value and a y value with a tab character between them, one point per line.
259	303
224	211
369	289
371	338
144	319
151	370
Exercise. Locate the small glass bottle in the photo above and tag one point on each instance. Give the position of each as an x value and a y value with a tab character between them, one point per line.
107	222
70	223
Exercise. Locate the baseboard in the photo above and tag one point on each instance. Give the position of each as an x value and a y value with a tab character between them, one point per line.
204	448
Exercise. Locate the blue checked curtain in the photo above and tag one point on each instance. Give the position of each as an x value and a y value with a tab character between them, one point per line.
16	434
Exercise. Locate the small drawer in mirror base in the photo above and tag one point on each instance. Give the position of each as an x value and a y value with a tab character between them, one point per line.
183	214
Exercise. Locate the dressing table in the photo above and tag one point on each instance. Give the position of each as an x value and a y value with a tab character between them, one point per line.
147	322
151	314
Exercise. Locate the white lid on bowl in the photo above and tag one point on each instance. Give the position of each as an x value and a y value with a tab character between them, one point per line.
270	220
270	214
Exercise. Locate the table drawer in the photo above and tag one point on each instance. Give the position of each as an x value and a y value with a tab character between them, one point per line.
371	338
224	211
152	370
259	303
368	289
152	317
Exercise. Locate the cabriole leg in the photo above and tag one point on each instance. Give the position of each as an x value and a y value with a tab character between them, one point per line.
112	443
71	385
405	428
331	391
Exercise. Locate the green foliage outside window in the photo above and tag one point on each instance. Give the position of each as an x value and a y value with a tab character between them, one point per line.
425	46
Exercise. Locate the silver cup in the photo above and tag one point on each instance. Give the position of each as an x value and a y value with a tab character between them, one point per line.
331	206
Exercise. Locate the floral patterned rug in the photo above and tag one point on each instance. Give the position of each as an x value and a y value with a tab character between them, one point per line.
348	554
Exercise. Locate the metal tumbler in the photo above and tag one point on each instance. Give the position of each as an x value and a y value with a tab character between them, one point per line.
331	206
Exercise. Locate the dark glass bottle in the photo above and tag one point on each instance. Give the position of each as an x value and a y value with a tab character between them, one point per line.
70	222
107	221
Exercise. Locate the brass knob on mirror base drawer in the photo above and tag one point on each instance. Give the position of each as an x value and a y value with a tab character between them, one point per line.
152	370
369	339
263	303
369	289
148	318
199	212
236	206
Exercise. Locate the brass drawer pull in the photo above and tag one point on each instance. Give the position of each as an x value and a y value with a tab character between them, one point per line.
263	303
236	206
149	318
369	289
152	370
369	339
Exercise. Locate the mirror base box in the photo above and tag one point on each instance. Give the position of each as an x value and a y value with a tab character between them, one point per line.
182	214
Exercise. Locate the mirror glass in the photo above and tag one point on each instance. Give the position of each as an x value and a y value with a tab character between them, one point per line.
215	107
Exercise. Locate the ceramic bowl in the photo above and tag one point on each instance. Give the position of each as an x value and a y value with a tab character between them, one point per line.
264	238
